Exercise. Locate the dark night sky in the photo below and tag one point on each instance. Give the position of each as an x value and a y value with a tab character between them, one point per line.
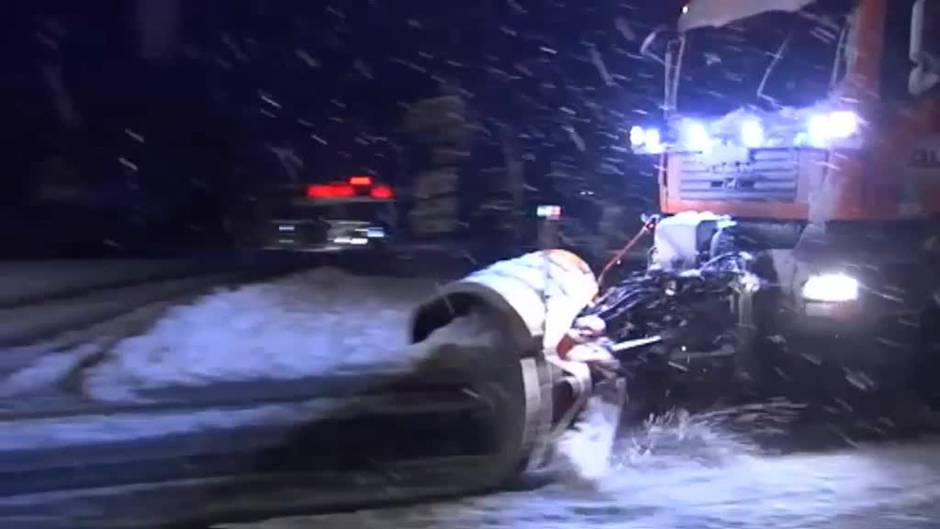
211	85
161	112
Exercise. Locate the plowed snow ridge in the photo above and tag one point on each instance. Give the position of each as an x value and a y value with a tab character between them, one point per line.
308	324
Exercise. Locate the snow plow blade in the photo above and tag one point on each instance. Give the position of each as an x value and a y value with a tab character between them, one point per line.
473	413
529	303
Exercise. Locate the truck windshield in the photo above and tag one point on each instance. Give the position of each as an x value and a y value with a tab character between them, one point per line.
771	60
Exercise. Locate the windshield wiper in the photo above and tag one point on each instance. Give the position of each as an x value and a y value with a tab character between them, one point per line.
770	68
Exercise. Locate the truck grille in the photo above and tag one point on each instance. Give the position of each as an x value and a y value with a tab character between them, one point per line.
769	175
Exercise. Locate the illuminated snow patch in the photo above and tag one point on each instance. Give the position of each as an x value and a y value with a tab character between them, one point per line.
308	324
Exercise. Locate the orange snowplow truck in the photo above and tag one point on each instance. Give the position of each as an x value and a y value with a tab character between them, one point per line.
807	133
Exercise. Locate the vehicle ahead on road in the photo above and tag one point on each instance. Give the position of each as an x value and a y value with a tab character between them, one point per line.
356	213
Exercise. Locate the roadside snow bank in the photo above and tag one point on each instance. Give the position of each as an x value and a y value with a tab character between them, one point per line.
308	324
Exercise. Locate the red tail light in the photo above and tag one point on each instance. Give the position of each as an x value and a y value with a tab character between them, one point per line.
331	191
382	192
360	180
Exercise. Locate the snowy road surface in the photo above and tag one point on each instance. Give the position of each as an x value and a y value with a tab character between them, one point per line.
678	472
878	488
306	324
232	386
701	480
311	323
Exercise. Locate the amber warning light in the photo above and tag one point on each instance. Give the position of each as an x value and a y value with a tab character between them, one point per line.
360	180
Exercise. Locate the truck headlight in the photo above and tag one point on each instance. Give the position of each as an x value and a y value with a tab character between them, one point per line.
825	128
844	124
752	134
654	141
695	136
648	140
637	136
831	288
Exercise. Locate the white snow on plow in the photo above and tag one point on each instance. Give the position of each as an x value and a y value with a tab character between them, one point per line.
308	324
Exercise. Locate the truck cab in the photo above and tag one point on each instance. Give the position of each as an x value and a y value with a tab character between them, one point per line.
791	111
807	132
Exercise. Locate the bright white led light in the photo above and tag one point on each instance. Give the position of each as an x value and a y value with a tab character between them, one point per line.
822	129
654	141
818	130
831	288
637	136
695	135
752	134
843	124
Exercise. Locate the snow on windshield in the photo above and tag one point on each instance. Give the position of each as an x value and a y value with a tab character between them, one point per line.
720	12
